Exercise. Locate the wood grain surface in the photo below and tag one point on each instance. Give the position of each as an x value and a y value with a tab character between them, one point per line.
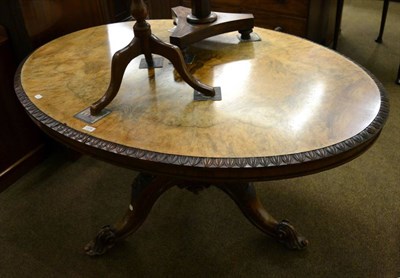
281	97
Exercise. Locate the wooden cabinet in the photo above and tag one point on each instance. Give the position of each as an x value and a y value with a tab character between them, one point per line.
311	19
46	20
21	143
161	8
29	24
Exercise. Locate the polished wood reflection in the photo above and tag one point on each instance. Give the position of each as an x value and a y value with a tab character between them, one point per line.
282	95
289	107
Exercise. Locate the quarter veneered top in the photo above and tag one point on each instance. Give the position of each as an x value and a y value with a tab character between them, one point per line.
282	95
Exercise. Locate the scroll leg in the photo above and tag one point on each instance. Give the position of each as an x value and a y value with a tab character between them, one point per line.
145	191
120	61
246	198
173	53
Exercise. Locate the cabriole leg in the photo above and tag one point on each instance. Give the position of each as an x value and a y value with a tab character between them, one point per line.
145	191
246	198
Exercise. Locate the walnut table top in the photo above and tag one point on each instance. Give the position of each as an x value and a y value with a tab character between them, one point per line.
289	107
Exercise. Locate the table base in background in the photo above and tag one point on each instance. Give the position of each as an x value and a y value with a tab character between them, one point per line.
146	189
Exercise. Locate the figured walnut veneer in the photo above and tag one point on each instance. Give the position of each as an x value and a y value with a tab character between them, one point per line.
289	107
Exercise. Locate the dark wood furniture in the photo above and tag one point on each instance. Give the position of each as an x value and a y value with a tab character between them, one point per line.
308	110
199	22
338	22
30	24
146	43
46	20
22	145
382	29
26	25
311	19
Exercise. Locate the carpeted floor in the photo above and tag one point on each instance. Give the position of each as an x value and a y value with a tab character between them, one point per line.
349	214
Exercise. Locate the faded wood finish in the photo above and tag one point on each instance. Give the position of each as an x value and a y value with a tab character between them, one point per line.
285	101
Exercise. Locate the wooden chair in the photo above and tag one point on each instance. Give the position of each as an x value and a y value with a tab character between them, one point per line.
382	28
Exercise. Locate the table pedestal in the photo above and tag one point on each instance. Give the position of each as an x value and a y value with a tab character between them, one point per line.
147	188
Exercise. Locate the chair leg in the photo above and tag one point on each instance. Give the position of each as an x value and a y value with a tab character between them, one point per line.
398	76
383	21
338	20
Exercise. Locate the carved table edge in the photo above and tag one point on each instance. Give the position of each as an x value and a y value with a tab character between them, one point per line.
371	131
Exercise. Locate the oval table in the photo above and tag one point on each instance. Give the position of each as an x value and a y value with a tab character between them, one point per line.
289	108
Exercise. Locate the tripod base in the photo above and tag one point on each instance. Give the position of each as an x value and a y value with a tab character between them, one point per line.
186	33
144	42
146	189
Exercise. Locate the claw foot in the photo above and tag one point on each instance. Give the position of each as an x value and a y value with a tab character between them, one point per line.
288	236
104	240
